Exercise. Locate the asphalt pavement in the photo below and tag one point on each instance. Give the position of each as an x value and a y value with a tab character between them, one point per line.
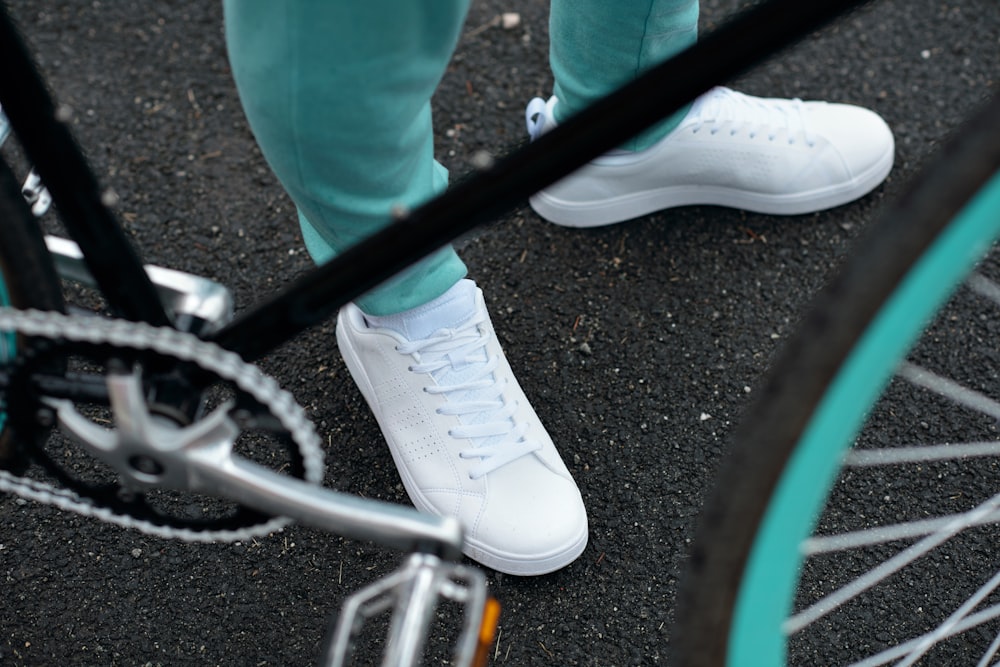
639	344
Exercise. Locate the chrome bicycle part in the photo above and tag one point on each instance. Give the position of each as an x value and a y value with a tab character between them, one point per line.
149	451
33	191
197	303
61	337
36	195
411	595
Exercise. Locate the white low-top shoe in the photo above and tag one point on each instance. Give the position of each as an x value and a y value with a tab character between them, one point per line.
464	438
776	156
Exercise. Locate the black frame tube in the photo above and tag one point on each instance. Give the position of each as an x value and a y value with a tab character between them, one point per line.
63	169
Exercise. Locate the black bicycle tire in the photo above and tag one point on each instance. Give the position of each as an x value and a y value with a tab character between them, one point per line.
799	379
27	271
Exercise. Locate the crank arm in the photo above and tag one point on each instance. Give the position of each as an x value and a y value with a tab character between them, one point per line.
151	452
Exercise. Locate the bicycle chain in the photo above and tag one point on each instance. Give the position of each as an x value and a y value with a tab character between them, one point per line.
184	347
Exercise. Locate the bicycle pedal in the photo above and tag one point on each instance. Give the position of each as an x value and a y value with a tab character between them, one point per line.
411	595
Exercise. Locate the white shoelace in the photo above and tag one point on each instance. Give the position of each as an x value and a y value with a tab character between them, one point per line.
464	372
758	115
717	107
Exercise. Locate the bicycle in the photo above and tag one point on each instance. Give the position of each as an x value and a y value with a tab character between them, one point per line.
124	390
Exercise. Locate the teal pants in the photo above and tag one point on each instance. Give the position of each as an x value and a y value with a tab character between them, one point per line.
337	93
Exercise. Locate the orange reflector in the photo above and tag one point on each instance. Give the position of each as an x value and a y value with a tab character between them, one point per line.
487	631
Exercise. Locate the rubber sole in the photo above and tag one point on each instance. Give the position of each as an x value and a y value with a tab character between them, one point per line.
600	212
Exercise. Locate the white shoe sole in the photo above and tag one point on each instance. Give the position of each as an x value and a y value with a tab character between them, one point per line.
608	211
523	566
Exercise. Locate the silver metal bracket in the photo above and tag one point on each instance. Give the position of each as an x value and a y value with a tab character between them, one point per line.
33	191
189	297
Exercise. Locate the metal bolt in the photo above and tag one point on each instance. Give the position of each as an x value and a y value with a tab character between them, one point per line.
146	465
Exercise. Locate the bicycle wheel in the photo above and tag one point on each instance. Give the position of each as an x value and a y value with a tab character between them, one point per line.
27	279
751	597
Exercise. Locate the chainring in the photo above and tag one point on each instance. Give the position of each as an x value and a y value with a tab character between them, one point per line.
169	358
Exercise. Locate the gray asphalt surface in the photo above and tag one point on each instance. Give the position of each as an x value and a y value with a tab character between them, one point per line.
639	344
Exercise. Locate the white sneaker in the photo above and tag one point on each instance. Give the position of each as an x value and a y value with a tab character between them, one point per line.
783	157
465	439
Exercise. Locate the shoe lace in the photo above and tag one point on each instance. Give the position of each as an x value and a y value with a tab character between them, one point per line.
464	373
722	105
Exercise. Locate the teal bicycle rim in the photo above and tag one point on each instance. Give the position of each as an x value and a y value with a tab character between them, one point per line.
7	342
771	575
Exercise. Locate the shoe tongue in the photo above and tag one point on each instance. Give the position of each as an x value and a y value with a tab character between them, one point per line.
447	311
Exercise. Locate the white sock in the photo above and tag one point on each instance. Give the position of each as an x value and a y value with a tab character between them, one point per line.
445	312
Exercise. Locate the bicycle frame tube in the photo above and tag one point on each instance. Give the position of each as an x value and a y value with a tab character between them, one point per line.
728	51
638	105
64	170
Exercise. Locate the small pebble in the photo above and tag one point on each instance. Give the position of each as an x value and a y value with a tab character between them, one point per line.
510	20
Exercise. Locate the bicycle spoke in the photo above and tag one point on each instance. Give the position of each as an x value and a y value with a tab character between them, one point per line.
900	531
860	458
859	585
900	650
820	544
985	287
930	639
990	652
949	389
